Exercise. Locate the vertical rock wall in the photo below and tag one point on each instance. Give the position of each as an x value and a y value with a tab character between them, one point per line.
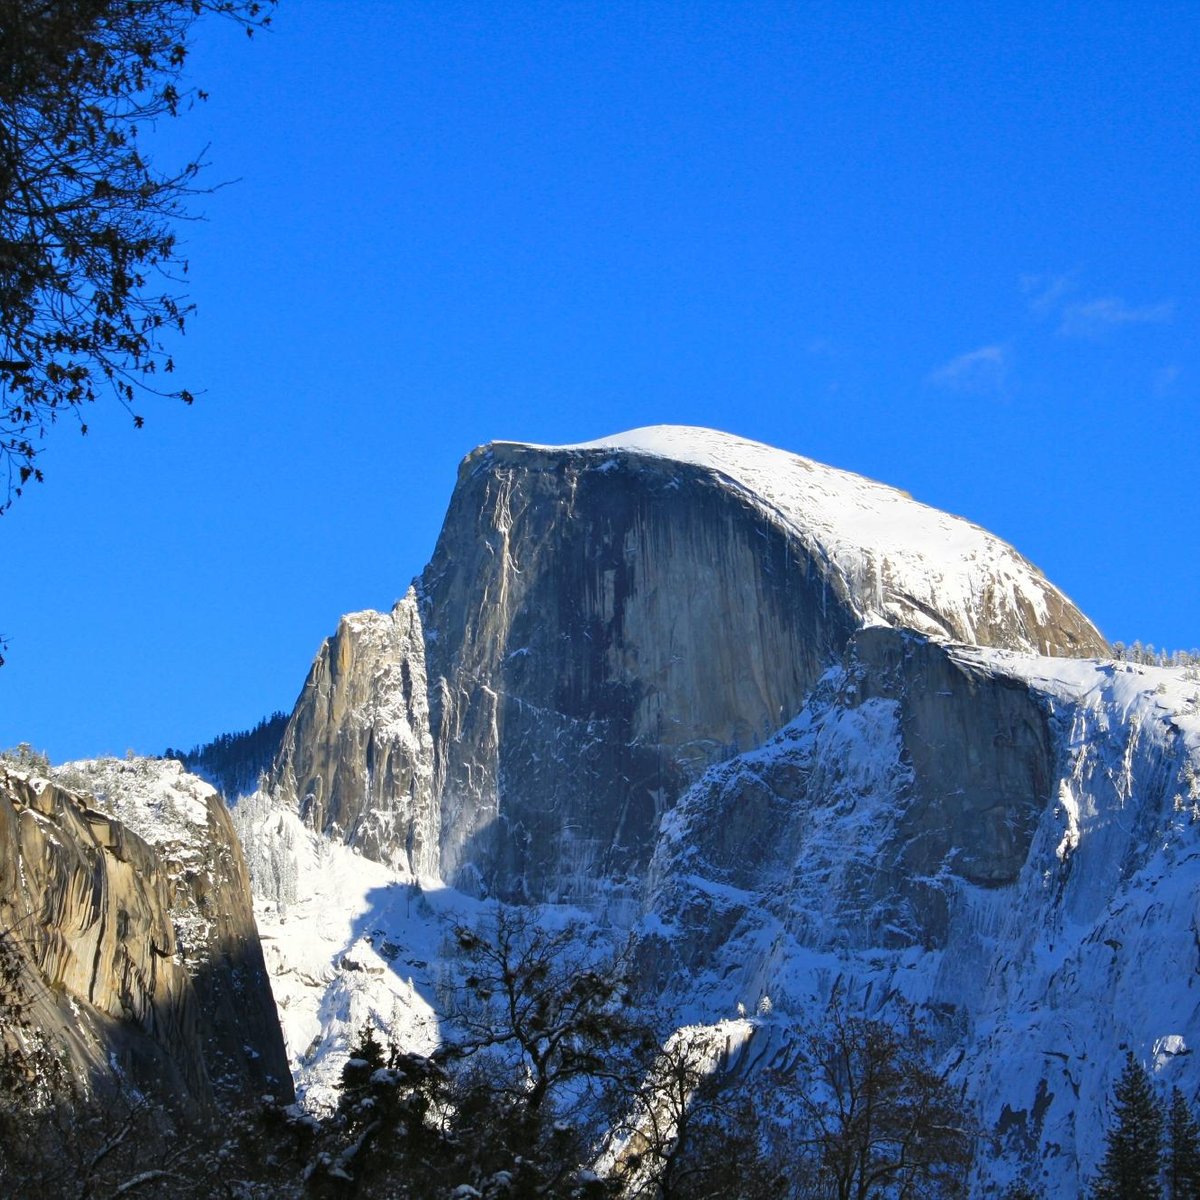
141	959
596	638
599	625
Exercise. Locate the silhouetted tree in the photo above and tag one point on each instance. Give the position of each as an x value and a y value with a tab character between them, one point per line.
90	270
1133	1145
692	1128
877	1116
1181	1162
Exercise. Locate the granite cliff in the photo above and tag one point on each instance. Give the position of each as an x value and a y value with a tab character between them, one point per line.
124	896
601	623
789	729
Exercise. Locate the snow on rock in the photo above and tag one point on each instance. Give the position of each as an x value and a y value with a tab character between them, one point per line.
347	942
129	889
903	562
557	713
170	809
807	864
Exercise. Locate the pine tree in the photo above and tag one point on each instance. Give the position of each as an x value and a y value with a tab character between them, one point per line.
1182	1158
1130	1170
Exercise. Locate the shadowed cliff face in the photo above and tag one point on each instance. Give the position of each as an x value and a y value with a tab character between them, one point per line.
599	625
141	959
1009	842
597	638
980	750
907	770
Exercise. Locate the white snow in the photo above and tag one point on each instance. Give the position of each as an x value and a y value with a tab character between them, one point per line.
346	941
1037	985
903	562
155	797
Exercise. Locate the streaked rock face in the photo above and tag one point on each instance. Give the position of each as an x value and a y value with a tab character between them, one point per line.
601	637
141	952
357	757
600	624
1008	842
980	751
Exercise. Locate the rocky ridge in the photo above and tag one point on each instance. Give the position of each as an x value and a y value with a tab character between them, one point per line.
124	892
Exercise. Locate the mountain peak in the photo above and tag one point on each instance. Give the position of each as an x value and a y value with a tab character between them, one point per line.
900	562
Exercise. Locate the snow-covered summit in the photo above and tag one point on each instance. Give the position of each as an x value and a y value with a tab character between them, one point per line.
901	562
155	797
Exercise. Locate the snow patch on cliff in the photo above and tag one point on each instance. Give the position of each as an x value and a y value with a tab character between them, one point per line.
1033	987
902	562
155	797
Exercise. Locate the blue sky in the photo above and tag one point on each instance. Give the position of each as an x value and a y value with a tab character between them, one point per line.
949	246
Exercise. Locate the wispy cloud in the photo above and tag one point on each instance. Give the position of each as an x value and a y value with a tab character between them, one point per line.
1056	297
978	371
1046	293
1090	318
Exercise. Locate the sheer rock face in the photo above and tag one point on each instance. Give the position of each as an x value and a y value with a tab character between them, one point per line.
908	769
140	948
598	625
357	756
602	636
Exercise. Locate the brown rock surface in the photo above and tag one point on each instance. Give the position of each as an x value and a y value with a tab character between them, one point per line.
142	957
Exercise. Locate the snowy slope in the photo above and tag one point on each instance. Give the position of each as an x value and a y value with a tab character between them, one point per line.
347	941
1034	988
903	563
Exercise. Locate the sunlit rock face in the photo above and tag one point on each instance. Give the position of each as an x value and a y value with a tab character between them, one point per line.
601	623
357	756
124	894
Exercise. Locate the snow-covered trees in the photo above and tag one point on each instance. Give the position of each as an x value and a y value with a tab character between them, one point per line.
541	1001
555	1083
233	762
540	1041
1146	655
692	1127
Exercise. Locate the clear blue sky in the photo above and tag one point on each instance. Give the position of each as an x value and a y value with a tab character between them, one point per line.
949	246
